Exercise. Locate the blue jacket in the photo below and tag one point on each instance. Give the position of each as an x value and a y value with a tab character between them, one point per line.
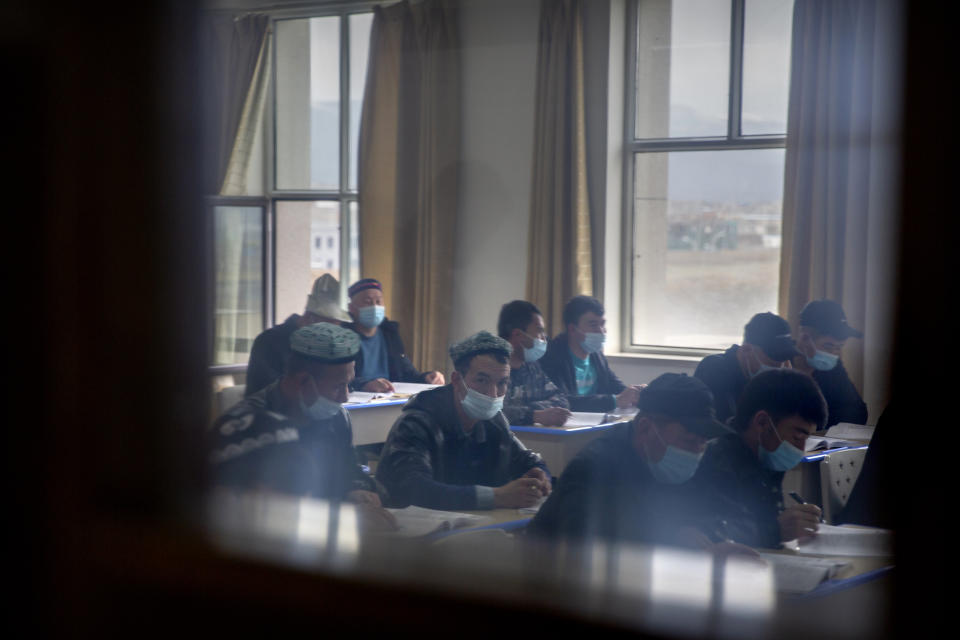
557	364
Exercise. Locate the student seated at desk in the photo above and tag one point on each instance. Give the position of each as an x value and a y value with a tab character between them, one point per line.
382	356
631	485
823	332
740	480
452	448
532	397
269	352
294	436
575	361
766	345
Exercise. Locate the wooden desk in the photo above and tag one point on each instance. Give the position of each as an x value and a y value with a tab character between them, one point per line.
558	445
372	420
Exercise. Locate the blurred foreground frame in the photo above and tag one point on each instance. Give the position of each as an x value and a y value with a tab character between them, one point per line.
107	255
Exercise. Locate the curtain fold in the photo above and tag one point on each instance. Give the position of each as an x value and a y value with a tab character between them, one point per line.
409	152
840	183
559	255
233	51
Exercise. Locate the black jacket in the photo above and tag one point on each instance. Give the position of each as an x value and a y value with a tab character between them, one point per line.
254	445
557	364
268	357
721	372
607	492
843	399
428	460
399	365
733	487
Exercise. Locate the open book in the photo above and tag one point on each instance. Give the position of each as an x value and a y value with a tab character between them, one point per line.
419	521
820	443
848	431
847	540
402	391
801	574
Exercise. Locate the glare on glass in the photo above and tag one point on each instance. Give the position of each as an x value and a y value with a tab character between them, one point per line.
706	244
359	49
307	246
354	244
683	58
766	66
238	282
308	112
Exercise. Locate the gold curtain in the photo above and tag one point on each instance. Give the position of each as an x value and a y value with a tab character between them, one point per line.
840	190
559	246
408	169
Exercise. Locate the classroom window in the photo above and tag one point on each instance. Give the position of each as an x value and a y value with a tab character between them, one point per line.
705	137
309	219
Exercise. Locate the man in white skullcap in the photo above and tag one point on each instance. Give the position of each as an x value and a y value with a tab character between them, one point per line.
293	436
269	350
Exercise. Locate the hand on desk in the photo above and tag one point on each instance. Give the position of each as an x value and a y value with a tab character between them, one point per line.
552	417
375	519
525	491
799	522
434	377
359	496
629	397
378	385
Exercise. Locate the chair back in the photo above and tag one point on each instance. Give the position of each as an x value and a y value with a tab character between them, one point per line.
838	474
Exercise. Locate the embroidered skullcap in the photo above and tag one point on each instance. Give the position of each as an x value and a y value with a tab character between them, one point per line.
324	300
483	341
326	342
362	285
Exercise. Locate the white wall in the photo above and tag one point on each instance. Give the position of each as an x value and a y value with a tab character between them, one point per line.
499	64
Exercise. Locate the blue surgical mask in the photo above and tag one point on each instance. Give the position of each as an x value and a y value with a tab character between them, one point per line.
677	466
593	342
535	352
322	408
760	366
479	406
783	458
371	316
823	361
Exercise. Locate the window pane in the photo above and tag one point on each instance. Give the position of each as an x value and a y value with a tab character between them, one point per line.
766	66
683	59
706	244
238	278
304	233
359	49
308	104
354	244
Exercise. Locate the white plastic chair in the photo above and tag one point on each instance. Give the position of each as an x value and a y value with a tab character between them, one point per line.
838	474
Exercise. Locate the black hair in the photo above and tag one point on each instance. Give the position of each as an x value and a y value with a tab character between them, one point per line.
515	315
578	306
781	393
462	364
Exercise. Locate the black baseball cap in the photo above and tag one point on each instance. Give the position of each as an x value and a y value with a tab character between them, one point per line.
828	318
771	333
683	399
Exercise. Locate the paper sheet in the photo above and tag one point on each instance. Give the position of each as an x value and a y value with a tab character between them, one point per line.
850	431
817	443
412	388
583	419
801	574
419	521
834	540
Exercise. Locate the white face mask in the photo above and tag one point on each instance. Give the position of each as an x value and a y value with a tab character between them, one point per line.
479	406
751	373
593	342
323	408
535	352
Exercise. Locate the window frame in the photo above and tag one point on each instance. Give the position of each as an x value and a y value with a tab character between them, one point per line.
343	195
733	140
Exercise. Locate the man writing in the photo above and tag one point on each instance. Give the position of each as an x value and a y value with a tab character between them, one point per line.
575	362
531	398
293	436
452	448
382	357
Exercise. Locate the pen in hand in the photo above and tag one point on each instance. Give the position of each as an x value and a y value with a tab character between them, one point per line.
796	496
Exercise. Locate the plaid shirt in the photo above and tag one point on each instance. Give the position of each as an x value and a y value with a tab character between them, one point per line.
530	390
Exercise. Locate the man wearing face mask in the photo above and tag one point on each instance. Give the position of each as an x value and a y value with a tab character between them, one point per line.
451	448
532	397
631	484
740	480
269	352
382	357
576	364
823	332
767	345
293	436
